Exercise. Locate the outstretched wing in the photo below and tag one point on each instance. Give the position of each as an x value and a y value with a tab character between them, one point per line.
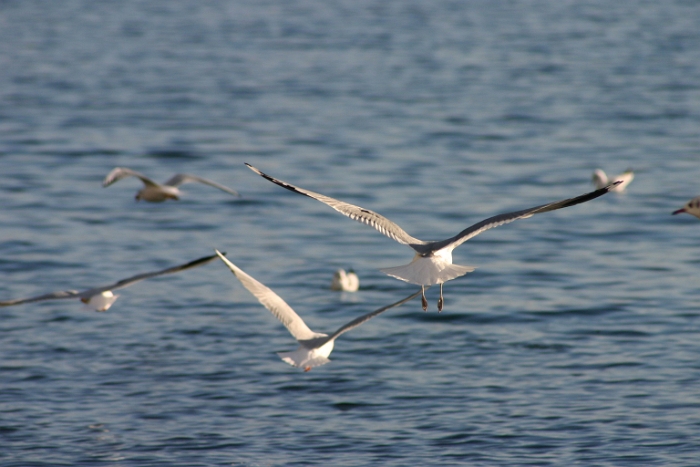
48	296
371	218
179	179
501	219
357	321
139	277
270	300
118	173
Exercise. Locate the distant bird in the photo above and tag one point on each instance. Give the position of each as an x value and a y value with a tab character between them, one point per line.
101	298
345	281
315	347
156	192
601	180
432	263
692	207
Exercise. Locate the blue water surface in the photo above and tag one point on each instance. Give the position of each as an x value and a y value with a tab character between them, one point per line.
575	342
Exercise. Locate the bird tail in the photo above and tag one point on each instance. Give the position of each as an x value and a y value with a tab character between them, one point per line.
422	271
303	358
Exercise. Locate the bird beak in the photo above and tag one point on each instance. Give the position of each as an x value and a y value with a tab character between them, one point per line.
678	211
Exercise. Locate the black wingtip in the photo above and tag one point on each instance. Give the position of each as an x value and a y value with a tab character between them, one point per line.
276	181
203	260
260	172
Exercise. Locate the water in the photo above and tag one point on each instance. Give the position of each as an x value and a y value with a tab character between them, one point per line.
575	341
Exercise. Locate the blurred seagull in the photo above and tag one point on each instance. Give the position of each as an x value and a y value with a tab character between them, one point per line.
156	192
692	207
345	281
432	263
601	180
314	347
101	298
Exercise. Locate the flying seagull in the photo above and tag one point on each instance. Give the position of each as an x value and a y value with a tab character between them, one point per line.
101	298
432	263
692	207
601	180
314	347
156	192
345	281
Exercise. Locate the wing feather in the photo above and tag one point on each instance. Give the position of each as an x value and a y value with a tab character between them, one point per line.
270	300
506	218
358	321
118	173
357	213
147	275
179	179
49	296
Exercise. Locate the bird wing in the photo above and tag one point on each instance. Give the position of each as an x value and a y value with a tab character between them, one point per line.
117	285
365	216
48	296
139	277
118	173
357	321
501	219
179	179
270	300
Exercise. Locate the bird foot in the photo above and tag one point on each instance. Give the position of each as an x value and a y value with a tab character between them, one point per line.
440	303
424	301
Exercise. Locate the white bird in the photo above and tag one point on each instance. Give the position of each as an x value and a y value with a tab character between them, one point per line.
101	298
345	281
692	207
314	347
601	180
432	263
156	192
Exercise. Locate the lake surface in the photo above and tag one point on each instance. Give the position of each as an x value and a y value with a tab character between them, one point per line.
574	342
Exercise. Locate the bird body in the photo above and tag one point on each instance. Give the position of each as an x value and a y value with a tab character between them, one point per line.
156	192
432	263
314	347
601	180
307	356
345	281
430	269
101	301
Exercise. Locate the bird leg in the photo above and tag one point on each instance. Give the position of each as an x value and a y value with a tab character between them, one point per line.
424	301
440	300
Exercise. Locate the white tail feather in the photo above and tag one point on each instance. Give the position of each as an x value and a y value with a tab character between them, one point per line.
427	271
304	358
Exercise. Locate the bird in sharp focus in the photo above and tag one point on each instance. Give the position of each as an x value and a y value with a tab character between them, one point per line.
432	262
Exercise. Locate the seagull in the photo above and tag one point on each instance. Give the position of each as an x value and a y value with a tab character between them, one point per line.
692	207
601	180
101	298
432	263
156	192
345	281
314	347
